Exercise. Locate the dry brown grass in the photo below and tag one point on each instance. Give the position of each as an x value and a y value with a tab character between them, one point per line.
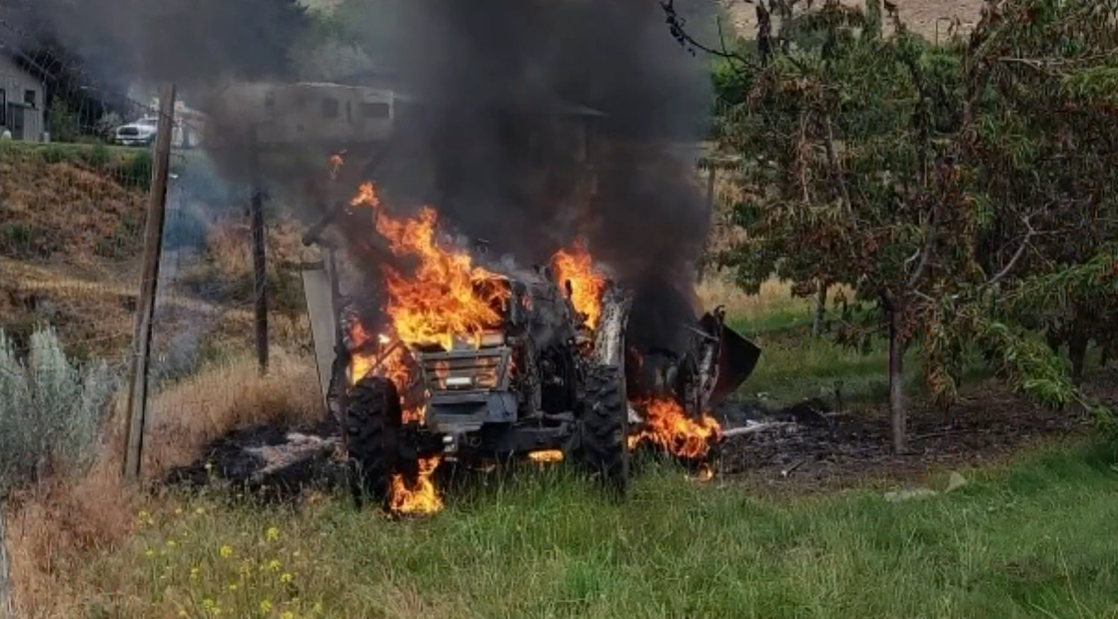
921	16
775	298
65	209
55	529
229	395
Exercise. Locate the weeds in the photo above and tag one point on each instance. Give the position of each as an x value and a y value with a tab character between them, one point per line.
51	409
998	547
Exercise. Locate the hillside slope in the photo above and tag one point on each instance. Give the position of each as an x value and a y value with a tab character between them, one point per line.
921	16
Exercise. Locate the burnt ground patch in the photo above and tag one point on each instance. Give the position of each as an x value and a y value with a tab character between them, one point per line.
805	448
854	449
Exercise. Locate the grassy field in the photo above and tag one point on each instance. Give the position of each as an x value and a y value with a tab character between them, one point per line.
795	365
1034	540
1031	538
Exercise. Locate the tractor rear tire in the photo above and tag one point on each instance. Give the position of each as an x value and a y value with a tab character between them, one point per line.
603	445
373	418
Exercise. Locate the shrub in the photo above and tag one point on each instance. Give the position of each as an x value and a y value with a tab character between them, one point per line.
135	170
51	408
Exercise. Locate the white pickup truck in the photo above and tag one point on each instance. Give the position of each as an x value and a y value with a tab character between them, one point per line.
140	133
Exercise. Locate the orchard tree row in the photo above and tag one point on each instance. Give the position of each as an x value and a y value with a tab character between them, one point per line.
967	193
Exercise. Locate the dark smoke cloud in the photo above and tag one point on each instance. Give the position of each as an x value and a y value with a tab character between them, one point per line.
185	41
492	72
492	77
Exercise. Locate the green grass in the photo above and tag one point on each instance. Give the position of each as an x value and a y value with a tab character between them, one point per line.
794	365
130	167
1036	540
100	154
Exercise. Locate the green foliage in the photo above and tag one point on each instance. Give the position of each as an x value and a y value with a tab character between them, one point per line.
63	122
135	171
964	189
51	408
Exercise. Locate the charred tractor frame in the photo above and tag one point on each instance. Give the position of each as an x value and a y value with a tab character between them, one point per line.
540	382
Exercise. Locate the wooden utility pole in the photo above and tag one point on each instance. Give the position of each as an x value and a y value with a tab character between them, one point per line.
149	279
259	262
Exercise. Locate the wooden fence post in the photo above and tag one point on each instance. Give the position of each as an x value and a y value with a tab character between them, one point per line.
259	259
149	279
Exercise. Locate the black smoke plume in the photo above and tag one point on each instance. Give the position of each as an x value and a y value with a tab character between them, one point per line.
493	75
500	86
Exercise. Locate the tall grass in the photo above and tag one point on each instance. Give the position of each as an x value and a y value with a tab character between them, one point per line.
51	409
548	545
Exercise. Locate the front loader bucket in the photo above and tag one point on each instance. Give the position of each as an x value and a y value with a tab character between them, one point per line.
737	359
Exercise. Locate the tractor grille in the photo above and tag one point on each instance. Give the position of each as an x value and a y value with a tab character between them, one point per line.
483	369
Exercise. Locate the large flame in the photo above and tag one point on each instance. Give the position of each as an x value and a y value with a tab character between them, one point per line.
420	498
667	425
446	297
577	267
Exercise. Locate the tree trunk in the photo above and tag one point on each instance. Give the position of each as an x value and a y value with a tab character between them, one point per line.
820	309
896	386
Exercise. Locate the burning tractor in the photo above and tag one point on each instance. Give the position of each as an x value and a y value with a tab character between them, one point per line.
474	362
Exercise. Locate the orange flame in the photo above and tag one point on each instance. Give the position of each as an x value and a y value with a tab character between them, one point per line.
447	297
704	474
336	163
667	425
422	498
546	455
577	267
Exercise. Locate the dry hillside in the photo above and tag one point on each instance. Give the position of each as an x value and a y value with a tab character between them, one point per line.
921	16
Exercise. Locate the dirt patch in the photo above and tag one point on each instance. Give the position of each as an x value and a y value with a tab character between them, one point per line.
854	449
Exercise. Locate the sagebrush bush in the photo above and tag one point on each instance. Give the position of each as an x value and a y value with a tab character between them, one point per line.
51	408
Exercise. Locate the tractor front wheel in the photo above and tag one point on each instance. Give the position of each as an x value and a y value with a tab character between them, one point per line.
372	422
603	444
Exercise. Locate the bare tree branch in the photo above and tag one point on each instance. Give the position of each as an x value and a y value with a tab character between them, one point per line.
1017	255
676	26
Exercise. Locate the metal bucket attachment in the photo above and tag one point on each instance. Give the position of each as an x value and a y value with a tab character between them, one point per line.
737	358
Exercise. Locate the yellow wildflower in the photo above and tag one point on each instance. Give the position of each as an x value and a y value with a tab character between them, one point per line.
172	543
149	553
286	578
287	614
226	551
194	573
274	565
232	586
265	606
317	608
272	534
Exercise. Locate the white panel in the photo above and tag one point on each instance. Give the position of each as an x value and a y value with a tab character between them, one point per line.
316	287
